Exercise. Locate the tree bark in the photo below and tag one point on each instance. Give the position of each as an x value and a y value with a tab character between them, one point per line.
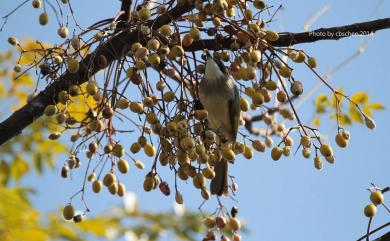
119	45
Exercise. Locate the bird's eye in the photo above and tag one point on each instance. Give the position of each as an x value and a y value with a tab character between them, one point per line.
204	56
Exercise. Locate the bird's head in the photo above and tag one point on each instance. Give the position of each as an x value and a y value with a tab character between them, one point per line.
215	69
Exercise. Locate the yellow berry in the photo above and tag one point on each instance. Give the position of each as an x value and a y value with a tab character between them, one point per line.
326	150
208	173
149	150
341	141
377	197
121	189
123	166
73	65
136	107
109	179
144	13
228	154
63	32
318	163
248	153
276	153
169	96
148	183
370	210
139	164
234	224
135	147
209	222
50	110
118	150
271	36
312	62
154	60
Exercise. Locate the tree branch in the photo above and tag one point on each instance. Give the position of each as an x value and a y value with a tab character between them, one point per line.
119	45
289	39
113	49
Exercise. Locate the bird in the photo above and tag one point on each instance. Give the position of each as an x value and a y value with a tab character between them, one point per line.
220	96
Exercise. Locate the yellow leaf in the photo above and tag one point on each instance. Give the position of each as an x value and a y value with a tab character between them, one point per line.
27	234
316	122
24	79
33	51
375	106
355	114
367	111
96	226
360	98
339	93
320	103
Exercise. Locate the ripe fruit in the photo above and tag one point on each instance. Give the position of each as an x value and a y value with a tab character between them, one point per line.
144	13
153	44
97	186
13	41
123	166
50	110
63	32
248	153
68	212
43	18
271	36
208	172
92	88
228	154
109	179
220	222
195	33
370	123
377	197
139	164
281	96
135	147
165	30
118	150
209	222
258	146
318	163
234	224
370	210
259	4
149	150
312	62
36	3
296	88
123	104
326	150
148	183
121	189
341	141
136	107
276	153
154	60
305	141
73	65
285	71
177	51
169	96
254	56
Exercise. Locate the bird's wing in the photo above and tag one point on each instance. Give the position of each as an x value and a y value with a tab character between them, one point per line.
234	112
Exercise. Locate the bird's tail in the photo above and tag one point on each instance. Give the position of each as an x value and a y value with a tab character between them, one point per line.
219	184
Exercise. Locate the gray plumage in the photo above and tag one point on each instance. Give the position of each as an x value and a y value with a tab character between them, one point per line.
220	97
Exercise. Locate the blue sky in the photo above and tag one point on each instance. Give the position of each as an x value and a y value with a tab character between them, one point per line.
288	199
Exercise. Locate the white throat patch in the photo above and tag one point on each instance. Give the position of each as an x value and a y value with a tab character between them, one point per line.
212	71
